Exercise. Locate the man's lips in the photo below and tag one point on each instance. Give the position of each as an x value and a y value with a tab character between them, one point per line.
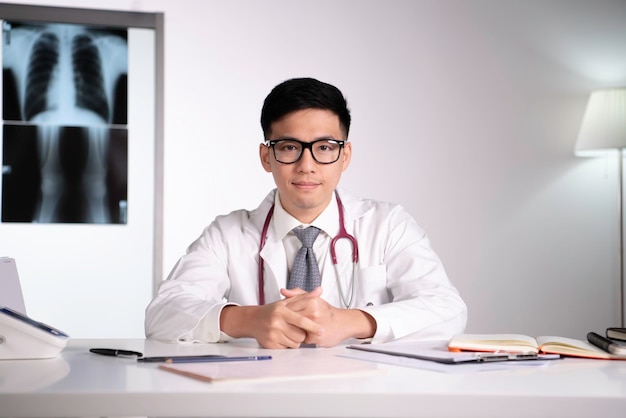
305	184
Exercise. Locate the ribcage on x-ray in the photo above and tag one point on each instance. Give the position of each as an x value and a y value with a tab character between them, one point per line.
88	79
44	59
69	83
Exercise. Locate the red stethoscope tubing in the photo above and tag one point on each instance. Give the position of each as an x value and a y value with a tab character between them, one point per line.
342	234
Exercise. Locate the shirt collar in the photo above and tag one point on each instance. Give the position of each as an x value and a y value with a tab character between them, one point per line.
327	221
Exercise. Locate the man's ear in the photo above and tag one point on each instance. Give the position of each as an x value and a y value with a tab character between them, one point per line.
347	155
264	155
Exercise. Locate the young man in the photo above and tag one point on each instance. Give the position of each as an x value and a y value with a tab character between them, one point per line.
230	284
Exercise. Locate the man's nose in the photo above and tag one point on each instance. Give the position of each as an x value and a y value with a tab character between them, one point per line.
306	160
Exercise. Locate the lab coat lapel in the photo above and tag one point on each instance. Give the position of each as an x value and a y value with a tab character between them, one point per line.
273	253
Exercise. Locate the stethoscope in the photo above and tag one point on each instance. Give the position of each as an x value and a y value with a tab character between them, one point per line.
342	234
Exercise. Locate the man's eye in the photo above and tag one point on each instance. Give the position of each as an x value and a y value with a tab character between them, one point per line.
326	147
286	146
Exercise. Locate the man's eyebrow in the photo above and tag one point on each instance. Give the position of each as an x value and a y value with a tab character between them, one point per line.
282	138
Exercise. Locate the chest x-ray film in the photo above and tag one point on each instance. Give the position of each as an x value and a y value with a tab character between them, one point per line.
64	134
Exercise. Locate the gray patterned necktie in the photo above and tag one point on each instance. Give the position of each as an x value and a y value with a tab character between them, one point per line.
305	272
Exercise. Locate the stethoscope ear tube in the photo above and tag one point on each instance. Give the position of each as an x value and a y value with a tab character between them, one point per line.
343	234
261	264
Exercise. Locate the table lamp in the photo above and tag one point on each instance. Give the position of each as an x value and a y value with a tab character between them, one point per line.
603	131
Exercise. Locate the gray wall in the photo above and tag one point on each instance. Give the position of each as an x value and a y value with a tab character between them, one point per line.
465	112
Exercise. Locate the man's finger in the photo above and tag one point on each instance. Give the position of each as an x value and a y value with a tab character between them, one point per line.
290	293
304	323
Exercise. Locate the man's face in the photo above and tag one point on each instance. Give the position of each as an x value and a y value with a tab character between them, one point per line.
306	187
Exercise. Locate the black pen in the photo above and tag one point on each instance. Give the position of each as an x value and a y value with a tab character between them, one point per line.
113	352
607	345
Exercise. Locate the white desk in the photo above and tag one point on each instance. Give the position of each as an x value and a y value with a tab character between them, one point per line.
82	384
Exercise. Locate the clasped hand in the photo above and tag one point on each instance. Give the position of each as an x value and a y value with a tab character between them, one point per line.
302	317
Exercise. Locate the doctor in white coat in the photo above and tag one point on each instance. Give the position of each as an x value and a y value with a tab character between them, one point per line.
230	285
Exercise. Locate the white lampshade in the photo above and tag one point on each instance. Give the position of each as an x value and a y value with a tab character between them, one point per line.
604	124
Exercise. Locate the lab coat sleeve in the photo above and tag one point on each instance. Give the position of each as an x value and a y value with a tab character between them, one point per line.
424	304
189	302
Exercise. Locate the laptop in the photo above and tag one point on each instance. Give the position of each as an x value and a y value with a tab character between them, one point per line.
10	289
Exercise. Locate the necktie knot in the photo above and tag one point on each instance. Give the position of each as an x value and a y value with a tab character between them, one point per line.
307	236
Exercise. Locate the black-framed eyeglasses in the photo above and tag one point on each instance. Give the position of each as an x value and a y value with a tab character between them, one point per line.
289	151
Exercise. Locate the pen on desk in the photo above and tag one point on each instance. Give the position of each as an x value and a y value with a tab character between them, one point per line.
605	344
488	357
201	359
194	359
523	356
113	352
162	359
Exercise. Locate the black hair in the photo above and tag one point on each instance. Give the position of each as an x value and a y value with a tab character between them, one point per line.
303	93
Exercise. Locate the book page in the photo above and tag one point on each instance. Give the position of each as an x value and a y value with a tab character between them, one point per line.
494	342
573	347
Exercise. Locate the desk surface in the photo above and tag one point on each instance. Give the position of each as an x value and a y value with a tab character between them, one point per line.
79	383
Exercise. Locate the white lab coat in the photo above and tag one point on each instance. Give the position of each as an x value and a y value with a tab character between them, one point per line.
400	281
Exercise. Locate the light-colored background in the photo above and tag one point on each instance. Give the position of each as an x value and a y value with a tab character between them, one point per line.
465	112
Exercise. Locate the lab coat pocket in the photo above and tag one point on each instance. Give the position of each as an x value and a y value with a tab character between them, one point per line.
372	287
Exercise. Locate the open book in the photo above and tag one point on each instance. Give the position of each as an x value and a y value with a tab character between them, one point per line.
519	343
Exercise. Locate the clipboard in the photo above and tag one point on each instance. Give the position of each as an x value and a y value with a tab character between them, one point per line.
440	354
